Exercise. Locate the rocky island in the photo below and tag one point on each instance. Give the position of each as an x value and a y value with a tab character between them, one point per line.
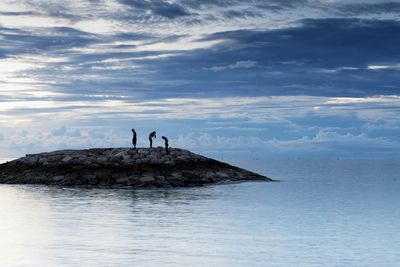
142	167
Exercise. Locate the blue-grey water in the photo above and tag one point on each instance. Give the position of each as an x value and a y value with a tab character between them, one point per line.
324	212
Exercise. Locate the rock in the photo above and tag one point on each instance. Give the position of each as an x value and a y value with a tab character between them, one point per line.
66	159
133	180
169	163
122	180
182	158
121	154
57	178
222	175
143	167
147	179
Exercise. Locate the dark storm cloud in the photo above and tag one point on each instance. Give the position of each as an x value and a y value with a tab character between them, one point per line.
368	9
249	71
16	41
56	9
189	8
158	7
15	13
328	57
232	14
280	4
272	4
314	37
324	57
324	42
203	3
132	36
59	40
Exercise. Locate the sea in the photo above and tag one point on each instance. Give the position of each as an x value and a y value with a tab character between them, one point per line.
321	212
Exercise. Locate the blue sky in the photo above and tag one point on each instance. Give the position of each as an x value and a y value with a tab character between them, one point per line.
265	78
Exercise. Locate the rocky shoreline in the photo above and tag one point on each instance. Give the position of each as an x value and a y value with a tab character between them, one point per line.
122	167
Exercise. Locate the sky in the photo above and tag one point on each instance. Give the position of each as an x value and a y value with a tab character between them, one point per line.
290	78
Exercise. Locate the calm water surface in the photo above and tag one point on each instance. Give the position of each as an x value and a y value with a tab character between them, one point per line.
323	213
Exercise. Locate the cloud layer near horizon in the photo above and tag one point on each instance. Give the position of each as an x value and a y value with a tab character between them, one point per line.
302	76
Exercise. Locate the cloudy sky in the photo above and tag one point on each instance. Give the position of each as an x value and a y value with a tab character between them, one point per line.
265	77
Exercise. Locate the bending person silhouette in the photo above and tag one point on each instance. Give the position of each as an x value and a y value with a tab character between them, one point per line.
134	138
151	135
166	143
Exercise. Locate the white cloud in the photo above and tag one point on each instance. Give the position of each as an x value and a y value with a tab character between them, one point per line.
246	64
323	142
338	69
57	76
385	99
98	26
17	143
383	67
59	132
277	109
327	136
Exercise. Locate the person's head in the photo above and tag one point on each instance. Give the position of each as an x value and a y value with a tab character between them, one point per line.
133	130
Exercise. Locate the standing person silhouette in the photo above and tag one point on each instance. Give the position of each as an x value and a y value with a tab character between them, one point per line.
151	135
134	138
166	143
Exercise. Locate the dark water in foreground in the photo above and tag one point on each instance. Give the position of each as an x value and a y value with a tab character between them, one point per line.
323	213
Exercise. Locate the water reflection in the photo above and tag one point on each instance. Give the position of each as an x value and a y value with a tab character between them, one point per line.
75	195
311	218
117	225
24	221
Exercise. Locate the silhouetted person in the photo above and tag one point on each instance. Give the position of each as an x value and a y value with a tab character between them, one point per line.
151	135
134	139
166	143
